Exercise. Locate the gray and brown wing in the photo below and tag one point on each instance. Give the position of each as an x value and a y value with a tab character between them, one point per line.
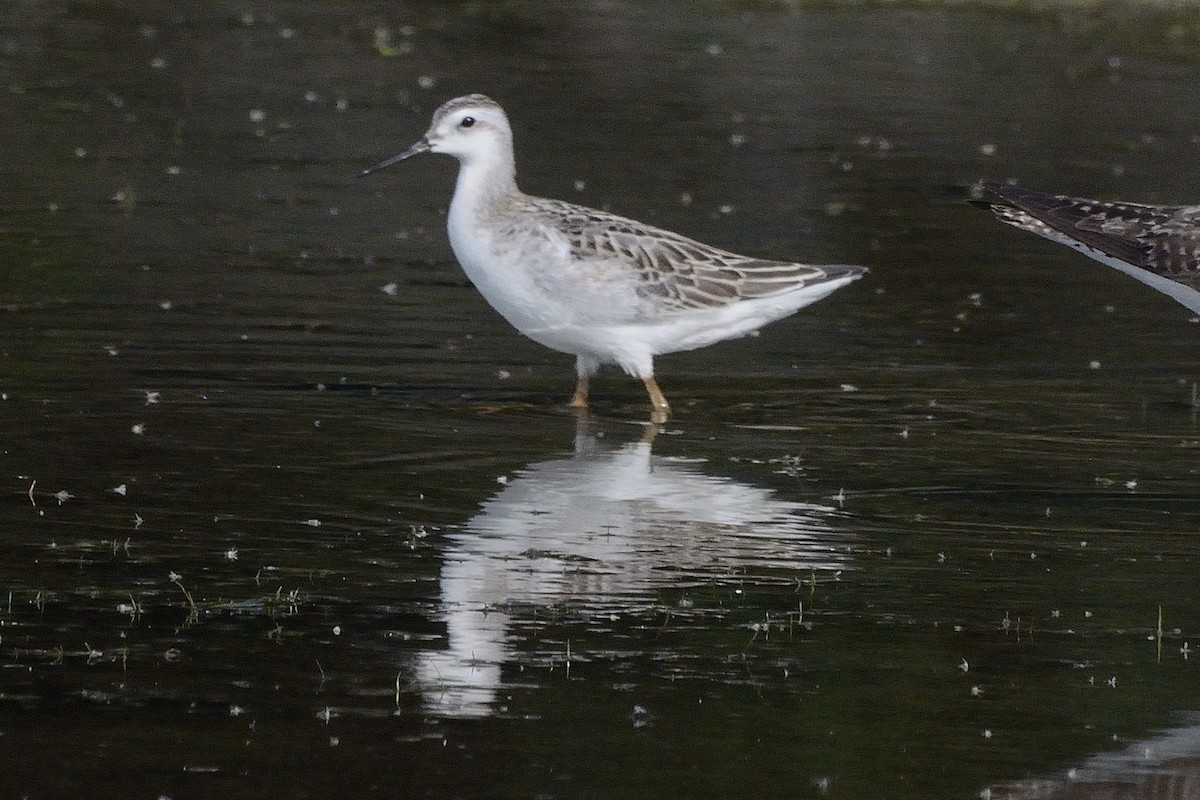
675	272
1164	240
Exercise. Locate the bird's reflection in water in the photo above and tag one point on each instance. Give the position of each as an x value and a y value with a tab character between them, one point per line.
1161	767
604	530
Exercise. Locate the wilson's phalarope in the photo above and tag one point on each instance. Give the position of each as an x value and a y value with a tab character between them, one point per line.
601	287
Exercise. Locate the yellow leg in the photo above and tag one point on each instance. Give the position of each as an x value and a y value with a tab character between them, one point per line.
660	411
580	398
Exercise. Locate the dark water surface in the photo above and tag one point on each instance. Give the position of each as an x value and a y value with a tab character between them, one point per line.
270	530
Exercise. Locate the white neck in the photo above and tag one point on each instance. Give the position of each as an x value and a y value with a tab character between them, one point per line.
483	183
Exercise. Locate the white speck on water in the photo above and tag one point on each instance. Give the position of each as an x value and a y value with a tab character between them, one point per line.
287	33
166	305
904	433
503	374
138	428
1087	614
81	152
231	554
426	82
334	211
158	62
726	209
849	387
257	115
313	523
62	496
737	139
112	351
311	97
342	104
337	630
1093	364
236	711
580	185
714	49
390	288
987	733
685	198
941	558
987	149
976	691
152	397
1132	484
121	490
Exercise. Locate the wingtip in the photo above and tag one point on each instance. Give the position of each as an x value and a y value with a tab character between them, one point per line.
835	272
994	194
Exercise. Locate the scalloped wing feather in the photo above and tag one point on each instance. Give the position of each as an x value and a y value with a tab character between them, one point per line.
677	273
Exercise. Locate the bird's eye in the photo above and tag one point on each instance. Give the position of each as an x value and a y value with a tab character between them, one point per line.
467	122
